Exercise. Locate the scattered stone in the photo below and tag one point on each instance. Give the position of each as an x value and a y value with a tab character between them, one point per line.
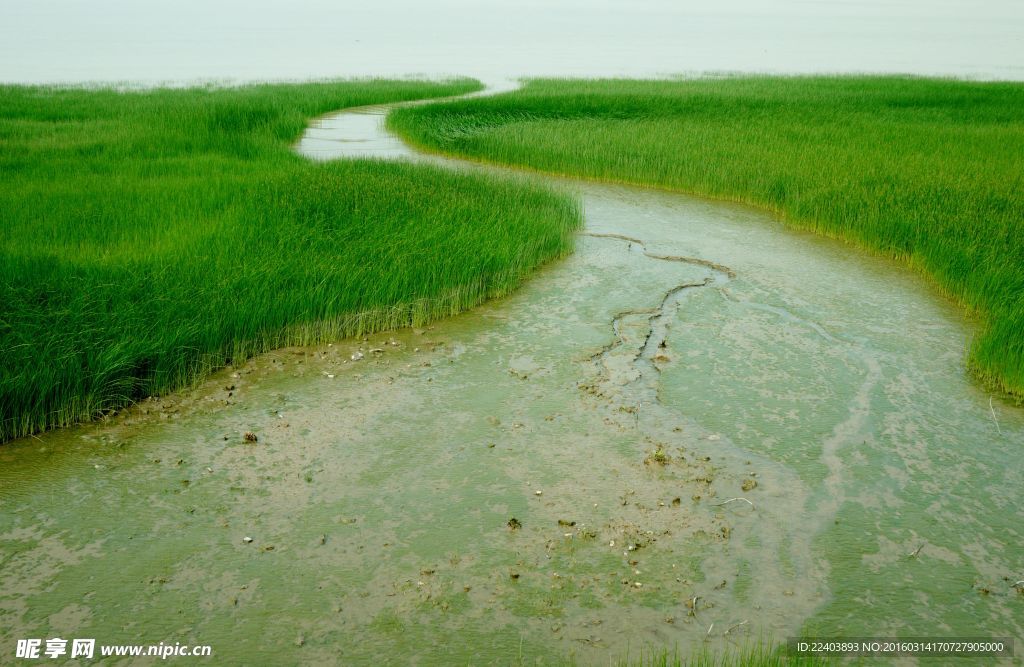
676	501
565	522
247	539
250	437
356	356
538	492
749	484
514	524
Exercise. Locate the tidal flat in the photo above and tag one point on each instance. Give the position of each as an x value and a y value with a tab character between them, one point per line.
699	430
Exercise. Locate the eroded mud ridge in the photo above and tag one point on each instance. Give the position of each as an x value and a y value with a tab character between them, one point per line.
697	430
652	323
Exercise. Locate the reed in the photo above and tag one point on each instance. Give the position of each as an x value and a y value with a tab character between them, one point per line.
149	237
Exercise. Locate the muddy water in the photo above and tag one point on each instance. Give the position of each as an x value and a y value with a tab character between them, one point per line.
707	429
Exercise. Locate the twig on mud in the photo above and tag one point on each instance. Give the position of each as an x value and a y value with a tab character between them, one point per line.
726	502
708	633
741	623
915	552
621	237
993	411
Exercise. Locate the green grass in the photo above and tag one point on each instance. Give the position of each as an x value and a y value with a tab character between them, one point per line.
751	653
930	171
757	654
147	238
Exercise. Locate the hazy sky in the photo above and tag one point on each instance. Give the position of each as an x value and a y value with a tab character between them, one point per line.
182	40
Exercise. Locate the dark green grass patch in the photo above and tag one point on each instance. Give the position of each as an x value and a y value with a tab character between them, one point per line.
927	170
149	237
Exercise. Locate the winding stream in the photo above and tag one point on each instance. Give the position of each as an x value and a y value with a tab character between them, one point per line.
708	429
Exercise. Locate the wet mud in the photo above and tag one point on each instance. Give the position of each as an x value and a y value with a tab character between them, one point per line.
699	429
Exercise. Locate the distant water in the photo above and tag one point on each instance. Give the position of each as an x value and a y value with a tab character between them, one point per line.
186	40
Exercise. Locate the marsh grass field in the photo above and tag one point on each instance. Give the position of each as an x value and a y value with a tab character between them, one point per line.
929	171
151	236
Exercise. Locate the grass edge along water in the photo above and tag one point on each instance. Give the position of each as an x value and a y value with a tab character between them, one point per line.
152	236
927	171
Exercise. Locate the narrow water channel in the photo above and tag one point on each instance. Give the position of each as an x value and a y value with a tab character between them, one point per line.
707	428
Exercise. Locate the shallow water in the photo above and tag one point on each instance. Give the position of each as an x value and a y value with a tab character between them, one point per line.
125	40
615	406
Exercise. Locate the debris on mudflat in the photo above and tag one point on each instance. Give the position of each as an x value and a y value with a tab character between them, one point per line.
514	524
749	484
566	522
356	356
247	539
250	437
659	456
